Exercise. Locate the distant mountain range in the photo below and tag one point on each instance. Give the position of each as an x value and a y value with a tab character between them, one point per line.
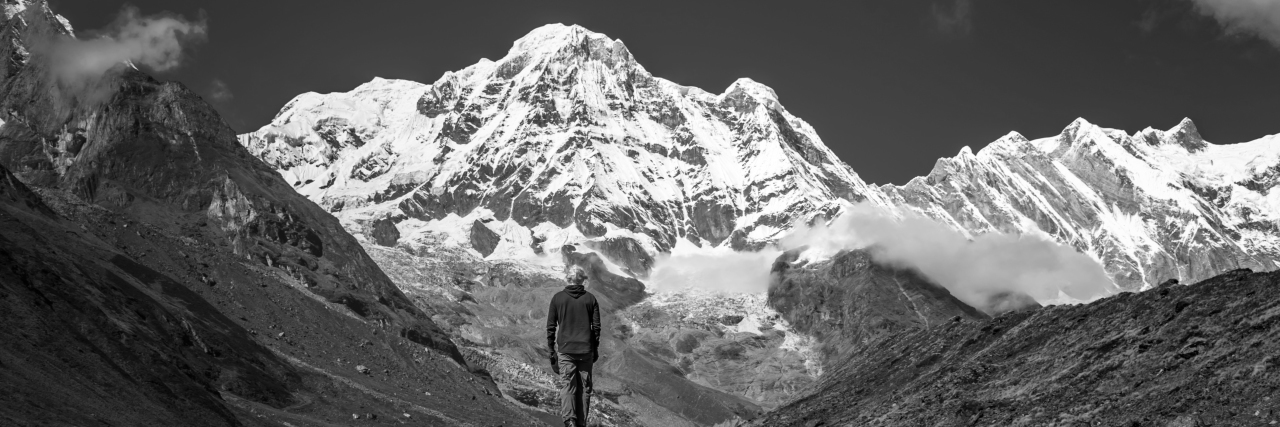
567	139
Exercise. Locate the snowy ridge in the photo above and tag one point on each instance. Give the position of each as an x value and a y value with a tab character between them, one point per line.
570	139
567	139
1151	206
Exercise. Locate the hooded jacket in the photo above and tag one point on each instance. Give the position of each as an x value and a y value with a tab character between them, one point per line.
573	321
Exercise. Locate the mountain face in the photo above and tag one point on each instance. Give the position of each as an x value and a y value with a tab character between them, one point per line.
851	300
156	273
567	139
1150	206
1202	354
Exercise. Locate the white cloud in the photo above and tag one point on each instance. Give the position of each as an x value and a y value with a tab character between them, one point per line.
155	42
712	269
955	19
975	271
219	91
982	272
1260	18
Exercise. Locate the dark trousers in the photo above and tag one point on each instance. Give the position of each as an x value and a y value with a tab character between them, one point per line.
575	394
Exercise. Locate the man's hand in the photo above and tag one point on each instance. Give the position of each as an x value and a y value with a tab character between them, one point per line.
555	364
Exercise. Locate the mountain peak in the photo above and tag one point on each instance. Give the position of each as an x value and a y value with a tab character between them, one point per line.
559	40
753	88
554	34
1187	135
1184	134
14	8
744	94
1076	125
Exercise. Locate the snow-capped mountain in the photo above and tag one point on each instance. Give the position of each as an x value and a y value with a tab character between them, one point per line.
1152	206
567	139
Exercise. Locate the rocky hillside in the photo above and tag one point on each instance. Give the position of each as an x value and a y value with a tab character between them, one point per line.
175	279
1203	354
84	322
850	300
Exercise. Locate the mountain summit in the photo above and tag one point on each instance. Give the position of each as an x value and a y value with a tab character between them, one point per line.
564	140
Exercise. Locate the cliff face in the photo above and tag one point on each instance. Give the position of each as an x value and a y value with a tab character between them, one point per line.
850	301
1202	354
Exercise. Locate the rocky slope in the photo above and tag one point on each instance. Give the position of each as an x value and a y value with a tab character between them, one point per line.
84	321
177	280
850	300
1176	355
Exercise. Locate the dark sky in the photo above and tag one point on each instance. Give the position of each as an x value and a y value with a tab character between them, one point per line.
889	85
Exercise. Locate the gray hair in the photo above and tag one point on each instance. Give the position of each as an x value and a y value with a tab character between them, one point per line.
575	275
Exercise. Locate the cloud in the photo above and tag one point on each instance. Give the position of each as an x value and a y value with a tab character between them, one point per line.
712	269
984	272
1260	18
977	271
156	42
219	91
955	18
1148	22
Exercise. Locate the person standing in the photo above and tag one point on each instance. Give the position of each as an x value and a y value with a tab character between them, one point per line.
573	336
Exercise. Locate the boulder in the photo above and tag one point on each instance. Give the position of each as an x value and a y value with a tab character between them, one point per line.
483	239
384	232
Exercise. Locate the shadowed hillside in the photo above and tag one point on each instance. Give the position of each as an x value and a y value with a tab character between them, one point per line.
1203	354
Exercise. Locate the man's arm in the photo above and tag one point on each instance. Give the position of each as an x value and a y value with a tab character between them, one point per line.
595	330
552	320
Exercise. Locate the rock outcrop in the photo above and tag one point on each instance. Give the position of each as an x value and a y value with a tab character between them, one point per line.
850	301
384	232
483	240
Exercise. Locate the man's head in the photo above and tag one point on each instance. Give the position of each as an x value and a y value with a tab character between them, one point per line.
575	275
